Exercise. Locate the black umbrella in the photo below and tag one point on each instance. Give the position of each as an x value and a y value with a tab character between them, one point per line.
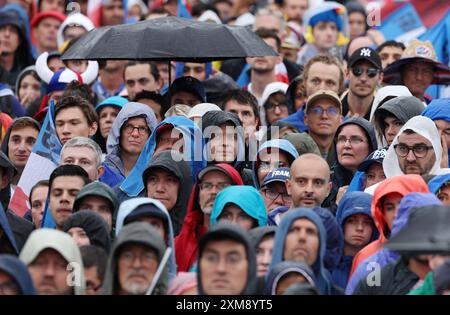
169	38
427	232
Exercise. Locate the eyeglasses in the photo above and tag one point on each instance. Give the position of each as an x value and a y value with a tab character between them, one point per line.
318	111
419	150
129	129
371	72
210	186
273	195
271	107
352	140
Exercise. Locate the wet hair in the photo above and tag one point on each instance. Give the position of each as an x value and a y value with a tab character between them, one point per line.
77	101
94	256
152	65
328	60
390	43
267	33
68	170
156	97
242	97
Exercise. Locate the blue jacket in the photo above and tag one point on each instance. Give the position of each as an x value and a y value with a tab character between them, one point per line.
128	206
322	275
193	153
438	109
385	256
245	197
297	120
351	203
282	145
17	270
437	182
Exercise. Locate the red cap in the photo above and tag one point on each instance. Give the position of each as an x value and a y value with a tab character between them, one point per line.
42	15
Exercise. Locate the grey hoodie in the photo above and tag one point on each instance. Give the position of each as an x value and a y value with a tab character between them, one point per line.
228	231
129	110
140	233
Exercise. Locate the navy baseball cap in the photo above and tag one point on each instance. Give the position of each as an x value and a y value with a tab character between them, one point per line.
281	174
189	84
376	156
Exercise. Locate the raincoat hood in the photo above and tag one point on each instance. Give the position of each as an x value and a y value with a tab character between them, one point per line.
352	203
129	110
17	270
193	226
75	19
94	225
167	160
216	119
285	267
366	126
438	109
226	231
134	233
4	146
402	185
245	197
193	153
21	75
436	183
97	189
128	206
382	95
318	268
63	243
281	145
425	127
259	233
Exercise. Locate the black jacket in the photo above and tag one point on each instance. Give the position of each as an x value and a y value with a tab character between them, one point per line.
395	279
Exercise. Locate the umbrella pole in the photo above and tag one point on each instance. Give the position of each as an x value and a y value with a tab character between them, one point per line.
170	80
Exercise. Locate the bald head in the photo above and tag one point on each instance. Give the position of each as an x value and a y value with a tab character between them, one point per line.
309	184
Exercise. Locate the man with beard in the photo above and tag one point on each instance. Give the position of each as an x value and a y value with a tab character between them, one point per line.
263	68
364	72
134	260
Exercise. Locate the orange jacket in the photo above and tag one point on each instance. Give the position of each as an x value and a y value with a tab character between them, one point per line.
403	185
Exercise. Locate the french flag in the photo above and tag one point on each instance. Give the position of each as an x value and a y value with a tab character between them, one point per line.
43	159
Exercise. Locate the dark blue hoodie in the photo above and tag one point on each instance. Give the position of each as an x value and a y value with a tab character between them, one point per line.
17	270
285	267
351	203
437	182
322	275
7	232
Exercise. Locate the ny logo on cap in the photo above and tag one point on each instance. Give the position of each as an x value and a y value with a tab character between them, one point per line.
365	52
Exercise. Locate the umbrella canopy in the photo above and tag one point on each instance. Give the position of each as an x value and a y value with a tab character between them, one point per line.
427	232
169	38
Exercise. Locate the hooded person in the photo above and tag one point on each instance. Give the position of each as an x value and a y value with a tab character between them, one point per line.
386	256
351	204
211	123
18	272
114	160
194	225
303	143
399	185
40	243
422	126
317	265
73	20
132	235
93	226
401	108
240	276
439	185
138	208
247	199
273	90
439	112
13	15
20	227
263	239
283	149
285	274
166	161
192	145
98	190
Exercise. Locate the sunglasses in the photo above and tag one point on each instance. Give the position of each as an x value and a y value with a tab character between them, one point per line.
371	72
